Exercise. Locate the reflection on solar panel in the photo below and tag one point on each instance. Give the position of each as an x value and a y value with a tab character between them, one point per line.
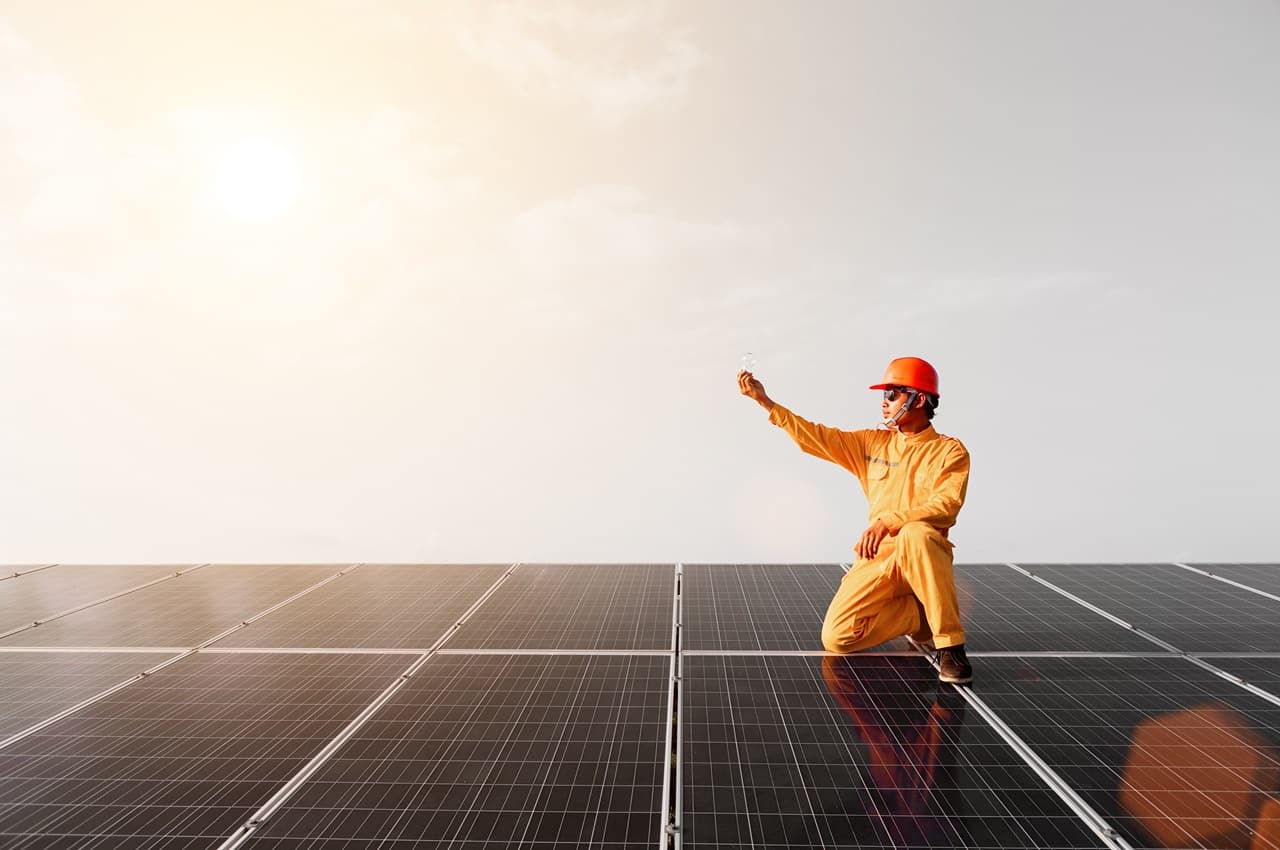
498	751
187	753
1190	611
1157	745
550	716
558	606
756	607
375	605
866	752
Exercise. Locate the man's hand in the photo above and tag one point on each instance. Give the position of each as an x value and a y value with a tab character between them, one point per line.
753	389
869	543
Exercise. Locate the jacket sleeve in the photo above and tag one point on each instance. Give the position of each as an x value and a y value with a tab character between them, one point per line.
840	447
944	502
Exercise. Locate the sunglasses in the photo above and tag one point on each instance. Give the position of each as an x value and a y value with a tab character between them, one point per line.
892	393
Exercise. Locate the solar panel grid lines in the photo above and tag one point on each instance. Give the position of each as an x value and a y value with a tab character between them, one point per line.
864	751
1157	745
1013	614
16	570
181	757
83	581
182	611
756	607
1227	580
555	750
1173	607
37	685
379	606
1263	578
574	606
276	607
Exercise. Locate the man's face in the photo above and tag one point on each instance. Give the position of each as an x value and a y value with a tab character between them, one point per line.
892	401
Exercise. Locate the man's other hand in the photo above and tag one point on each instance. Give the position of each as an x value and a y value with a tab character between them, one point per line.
753	389
869	543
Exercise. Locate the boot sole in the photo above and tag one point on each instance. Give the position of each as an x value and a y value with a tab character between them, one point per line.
955	680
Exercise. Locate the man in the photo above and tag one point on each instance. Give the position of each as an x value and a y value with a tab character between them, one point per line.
915	480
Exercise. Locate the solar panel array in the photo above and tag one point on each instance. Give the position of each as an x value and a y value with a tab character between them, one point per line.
630	705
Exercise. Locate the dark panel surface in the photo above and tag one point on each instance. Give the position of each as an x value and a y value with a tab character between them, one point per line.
1262	671
1193	612
852	751
37	595
756	606
581	606
384	606
496	751
186	755
1265	577
181	612
1005	611
37	685
1169	753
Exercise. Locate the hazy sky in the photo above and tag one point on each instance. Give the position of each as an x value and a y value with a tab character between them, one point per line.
530	244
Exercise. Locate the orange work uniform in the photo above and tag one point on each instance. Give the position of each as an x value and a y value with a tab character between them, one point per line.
915	484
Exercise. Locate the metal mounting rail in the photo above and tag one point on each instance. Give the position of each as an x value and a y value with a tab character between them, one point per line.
1096	822
17	573
669	814
264	813
238	626
108	598
1226	580
31	730
1194	659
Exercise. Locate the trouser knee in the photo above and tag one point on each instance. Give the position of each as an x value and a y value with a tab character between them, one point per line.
919	534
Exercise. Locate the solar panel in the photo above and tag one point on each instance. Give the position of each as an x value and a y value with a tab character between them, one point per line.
183	611
39	594
496	751
1262	671
727	607
1264	577
38	685
581	606
385	606
1158	746
185	755
862	751
1005	611
1192	612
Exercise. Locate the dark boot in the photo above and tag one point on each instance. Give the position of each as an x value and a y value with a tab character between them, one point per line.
953	666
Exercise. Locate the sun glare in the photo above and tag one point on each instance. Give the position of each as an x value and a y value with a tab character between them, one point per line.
257	181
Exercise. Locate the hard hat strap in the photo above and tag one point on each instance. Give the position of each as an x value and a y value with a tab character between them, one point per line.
910	401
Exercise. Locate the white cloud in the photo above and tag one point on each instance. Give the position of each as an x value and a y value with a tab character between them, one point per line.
617	62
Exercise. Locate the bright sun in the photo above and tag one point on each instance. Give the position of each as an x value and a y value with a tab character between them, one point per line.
257	181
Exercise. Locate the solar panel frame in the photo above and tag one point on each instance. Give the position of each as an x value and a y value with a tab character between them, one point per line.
375	606
1003	610
39	595
426	770
180	612
37	685
623	607
1261	577
181	758
1082	715
803	757
756	607
1189	611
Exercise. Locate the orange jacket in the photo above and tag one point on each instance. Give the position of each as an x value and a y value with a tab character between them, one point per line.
906	477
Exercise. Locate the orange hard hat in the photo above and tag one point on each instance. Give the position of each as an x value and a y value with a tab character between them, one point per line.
909	372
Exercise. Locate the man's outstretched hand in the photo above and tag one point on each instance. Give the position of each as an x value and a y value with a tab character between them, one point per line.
869	543
753	389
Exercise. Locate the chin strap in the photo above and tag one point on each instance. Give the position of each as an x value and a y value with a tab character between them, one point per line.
892	424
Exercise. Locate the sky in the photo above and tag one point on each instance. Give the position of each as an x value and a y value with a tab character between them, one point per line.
499	317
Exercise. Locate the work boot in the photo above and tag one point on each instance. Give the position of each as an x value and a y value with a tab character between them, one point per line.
953	666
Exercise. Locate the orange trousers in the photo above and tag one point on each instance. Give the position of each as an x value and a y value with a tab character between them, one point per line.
906	589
